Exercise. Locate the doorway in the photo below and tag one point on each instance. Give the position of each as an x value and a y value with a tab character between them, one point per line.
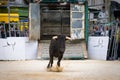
55	20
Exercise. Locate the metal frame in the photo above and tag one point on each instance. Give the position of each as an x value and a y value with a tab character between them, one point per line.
9	5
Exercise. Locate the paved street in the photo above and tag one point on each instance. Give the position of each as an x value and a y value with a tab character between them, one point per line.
73	70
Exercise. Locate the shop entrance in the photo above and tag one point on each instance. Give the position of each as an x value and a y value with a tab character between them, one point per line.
55	20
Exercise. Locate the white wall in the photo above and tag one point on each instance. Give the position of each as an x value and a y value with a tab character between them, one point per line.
97	47
17	48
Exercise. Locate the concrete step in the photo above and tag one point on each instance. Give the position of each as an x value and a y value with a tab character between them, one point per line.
73	50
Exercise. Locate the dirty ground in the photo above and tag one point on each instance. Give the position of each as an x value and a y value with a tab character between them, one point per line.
72	70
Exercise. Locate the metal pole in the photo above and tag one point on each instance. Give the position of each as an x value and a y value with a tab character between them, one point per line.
107	2
61	14
114	43
86	21
117	36
115	53
9	18
110	43
118	57
4	30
